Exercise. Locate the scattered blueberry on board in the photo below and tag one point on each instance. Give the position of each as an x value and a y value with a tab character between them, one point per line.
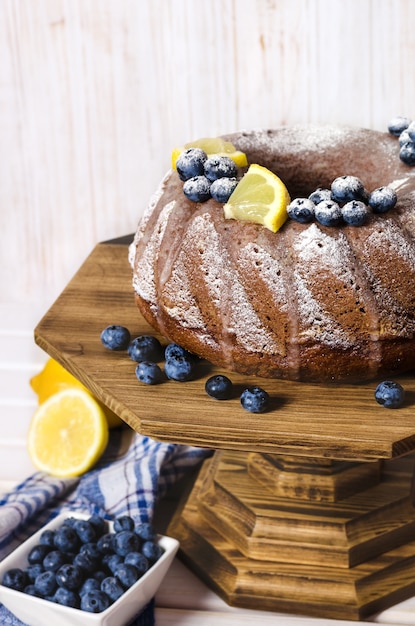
180	368
255	399
115	337
117	559
219	387
390	394
145	348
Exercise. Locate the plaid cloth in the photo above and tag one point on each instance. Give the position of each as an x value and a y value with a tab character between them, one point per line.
133	472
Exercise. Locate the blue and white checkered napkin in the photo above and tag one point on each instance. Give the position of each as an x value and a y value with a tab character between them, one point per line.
132	474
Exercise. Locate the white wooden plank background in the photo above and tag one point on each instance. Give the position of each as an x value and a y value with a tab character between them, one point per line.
93	96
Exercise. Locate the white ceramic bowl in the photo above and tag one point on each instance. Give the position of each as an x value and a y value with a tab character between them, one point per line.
38	612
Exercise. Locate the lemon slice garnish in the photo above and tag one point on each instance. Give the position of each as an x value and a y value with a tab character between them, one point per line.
54	377
260	197
68	433
212	145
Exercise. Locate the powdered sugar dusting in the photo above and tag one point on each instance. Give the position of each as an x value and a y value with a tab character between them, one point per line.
318	252
390	236
144	280
316	324
146	216
253	258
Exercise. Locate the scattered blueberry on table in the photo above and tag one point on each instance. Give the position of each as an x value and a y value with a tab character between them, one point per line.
115	337
255	399
390	394
219	387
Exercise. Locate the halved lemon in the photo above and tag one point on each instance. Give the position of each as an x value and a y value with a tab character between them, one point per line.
67	434
212	145
260	197
54	377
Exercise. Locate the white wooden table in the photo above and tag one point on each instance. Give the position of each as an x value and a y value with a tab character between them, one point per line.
183	599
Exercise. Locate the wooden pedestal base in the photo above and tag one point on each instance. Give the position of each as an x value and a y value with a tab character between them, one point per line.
322	538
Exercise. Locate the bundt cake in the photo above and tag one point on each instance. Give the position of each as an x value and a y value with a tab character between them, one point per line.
307	303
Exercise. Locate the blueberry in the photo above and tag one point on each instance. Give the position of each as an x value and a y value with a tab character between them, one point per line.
15	578
328	213
382	199
398	124
404	137
91	549
219	167
145	531
390	394
105	543
139	561
174	350
34	570
126	541
47	538
85	531
45	584
191	163
149	373
125	522
179	368
319	195
31	591
53	561
99	523
115	337
66	539
255	400
70	576
126	574
221	189
355	213
219	387
99	575
145	348
411	131
112	588
197	189
346	188
66	597
95	601
89	584
407	153
86	562
152	551
113	561
301	210
38	553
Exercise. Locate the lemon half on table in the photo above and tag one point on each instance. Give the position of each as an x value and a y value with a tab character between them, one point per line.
260	197
68	433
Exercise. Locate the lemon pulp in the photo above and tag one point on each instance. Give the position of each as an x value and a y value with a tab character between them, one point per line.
260	197
68	433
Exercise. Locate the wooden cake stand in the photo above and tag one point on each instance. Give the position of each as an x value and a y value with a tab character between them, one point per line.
307	508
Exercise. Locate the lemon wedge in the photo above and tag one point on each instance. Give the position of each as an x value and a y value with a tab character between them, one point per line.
212	145
68	433
54	377
260	197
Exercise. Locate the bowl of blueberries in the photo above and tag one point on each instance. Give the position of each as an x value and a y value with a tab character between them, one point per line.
82	569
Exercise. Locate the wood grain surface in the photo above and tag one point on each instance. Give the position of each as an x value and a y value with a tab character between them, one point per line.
336	422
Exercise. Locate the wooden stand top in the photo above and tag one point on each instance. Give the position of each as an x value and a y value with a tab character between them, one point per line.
337	421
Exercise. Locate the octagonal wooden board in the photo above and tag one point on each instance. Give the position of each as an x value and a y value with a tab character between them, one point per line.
339	421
